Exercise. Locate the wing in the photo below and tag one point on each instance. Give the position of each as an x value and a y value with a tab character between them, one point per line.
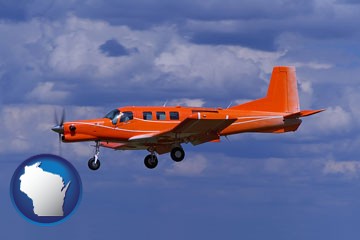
202	127
198	128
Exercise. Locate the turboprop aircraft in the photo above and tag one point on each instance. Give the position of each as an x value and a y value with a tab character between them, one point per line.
162	130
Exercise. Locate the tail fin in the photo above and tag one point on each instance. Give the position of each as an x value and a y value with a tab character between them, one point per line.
282	95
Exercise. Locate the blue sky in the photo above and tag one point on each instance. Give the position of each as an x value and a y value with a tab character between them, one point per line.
93	56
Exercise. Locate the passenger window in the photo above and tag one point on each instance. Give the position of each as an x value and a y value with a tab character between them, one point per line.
126	116
147	115
174	116
160	116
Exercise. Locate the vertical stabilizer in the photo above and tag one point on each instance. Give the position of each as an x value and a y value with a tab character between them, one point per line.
282	95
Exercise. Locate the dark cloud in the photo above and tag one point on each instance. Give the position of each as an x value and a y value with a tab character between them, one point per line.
264	41
163	11
145	13
112	48
259	23
348	1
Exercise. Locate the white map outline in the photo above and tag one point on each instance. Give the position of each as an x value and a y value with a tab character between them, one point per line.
46	190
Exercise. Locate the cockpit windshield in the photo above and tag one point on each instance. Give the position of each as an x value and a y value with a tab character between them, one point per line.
113	115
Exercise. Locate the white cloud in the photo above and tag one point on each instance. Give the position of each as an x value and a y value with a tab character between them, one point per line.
193	166
76	48
45	93
214	67
312	65
28	128
306	87
241	101
334	120
68	49
347	168
195	102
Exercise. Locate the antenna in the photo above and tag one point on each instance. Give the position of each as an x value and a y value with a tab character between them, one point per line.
229	105
165	103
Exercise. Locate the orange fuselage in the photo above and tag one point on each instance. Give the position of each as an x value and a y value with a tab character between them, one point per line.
246	121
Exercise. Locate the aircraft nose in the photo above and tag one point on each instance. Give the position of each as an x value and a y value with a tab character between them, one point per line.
58	129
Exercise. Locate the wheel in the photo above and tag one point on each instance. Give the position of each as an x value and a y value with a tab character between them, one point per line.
177	154
92	165
151	161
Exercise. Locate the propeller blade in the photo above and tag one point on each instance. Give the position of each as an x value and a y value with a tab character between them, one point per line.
56	118
62	117
60	148
59	127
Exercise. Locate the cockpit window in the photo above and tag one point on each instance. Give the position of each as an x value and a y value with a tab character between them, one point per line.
113	116
126	116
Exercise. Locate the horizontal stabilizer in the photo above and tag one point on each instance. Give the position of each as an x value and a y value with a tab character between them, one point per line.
303	113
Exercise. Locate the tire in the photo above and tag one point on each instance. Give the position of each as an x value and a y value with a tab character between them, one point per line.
92	165
151	161
177	154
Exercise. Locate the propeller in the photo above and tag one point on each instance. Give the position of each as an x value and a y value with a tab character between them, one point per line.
59	127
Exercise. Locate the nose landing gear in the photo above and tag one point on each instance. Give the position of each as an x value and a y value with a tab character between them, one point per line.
94	162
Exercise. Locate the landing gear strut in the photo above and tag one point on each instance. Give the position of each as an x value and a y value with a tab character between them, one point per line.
151	161
94	162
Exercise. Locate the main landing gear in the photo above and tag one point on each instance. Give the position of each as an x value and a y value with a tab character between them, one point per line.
94	162
151	161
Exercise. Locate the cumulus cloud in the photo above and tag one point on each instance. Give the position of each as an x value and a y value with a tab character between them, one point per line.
334	120
45	93
28	127
218	69
67	52
193	166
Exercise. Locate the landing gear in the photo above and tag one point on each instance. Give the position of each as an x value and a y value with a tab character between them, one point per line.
151	161
177	154
94	162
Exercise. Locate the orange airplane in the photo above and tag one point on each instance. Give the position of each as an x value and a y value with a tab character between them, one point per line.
163	129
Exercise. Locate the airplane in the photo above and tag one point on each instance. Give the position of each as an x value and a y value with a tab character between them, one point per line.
163	129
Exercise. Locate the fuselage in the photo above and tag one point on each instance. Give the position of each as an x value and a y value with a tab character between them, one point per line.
125	123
